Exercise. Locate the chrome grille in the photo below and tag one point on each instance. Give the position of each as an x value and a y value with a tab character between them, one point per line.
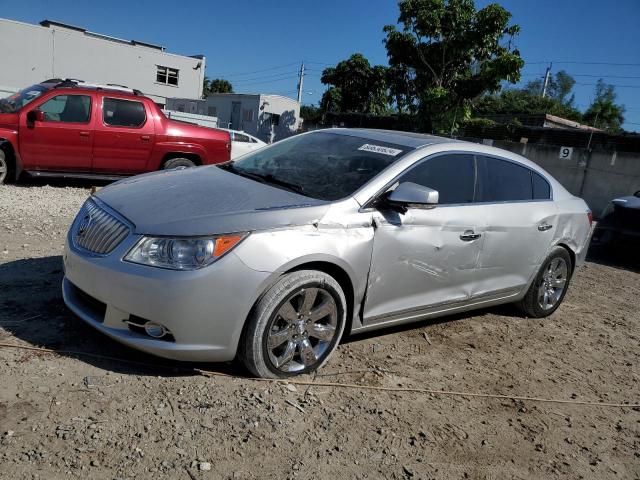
98	231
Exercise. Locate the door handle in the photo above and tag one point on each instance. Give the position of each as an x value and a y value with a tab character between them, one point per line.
543	227
84	134
145	138
469	235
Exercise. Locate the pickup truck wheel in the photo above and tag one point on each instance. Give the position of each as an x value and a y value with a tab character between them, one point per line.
178	162
4	167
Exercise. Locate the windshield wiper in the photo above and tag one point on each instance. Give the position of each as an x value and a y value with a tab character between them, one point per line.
263	178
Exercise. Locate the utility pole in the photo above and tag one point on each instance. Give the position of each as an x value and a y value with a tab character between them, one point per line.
547	76
300	80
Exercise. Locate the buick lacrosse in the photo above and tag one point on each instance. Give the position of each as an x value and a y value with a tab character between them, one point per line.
271	258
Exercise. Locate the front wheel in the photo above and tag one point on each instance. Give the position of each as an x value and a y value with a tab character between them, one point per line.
550	285
295	326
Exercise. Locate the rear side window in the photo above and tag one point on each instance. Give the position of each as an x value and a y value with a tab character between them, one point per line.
541	188
453	176
503	181
123	113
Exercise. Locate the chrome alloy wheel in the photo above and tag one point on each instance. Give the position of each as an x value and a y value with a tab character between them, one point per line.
553	283
302	330
4	168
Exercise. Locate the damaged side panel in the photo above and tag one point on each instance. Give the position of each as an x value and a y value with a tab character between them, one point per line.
419	259
339	238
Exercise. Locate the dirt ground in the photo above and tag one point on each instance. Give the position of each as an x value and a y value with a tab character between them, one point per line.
66	415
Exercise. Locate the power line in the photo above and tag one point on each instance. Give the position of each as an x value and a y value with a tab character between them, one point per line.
256	71
587	63
586	75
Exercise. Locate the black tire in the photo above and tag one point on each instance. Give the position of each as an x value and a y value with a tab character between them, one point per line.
5	168
531	303
253	350
178	162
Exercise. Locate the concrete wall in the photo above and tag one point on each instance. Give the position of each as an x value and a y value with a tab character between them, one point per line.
597	176
33	53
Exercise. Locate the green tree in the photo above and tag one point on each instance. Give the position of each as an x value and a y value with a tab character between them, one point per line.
604	112
559	87
523	101
452	53
217	85
310	114
355	86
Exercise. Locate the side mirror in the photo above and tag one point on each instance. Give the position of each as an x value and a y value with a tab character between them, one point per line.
35	116
409	194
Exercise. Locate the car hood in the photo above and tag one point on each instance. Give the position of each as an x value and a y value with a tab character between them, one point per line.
627	202
204	201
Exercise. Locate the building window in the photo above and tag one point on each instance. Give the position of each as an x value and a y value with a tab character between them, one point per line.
167	75
247	115
275	119
212	111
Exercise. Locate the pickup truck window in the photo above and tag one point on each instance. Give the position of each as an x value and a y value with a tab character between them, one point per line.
123	113
67	109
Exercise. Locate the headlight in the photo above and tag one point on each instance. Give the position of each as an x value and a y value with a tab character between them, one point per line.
182	253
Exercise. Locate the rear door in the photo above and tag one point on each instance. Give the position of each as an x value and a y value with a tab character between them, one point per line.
124	136
521	222
63	140
427	257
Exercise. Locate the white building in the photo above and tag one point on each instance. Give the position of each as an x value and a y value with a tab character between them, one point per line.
268	117
33	53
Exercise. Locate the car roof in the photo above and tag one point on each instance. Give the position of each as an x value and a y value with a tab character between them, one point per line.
405	139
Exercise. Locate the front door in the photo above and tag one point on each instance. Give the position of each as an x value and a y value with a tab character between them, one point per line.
427	257
124	139
63	140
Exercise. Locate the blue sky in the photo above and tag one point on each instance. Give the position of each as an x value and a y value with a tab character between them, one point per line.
271	38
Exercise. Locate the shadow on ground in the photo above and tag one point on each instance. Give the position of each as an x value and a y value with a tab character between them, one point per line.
32	311
623	256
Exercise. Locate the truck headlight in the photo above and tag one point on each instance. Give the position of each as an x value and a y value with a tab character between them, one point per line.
182	253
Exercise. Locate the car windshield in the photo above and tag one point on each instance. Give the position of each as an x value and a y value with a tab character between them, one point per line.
15	102
321	165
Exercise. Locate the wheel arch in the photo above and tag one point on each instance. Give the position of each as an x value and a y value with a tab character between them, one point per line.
340	275
194	157
11	157
572	254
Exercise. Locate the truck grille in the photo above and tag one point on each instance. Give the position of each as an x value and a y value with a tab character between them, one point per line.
97	231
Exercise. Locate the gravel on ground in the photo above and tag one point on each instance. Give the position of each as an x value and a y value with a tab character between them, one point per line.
66	415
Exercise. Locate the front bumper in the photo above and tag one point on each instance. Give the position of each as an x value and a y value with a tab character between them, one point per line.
204	309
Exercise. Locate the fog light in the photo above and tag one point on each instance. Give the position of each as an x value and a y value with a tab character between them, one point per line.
154	330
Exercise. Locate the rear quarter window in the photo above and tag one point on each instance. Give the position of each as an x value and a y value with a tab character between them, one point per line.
541	188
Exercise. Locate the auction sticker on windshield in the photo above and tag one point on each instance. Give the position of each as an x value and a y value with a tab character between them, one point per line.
379	149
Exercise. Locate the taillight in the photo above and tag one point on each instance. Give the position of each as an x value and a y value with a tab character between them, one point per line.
590	217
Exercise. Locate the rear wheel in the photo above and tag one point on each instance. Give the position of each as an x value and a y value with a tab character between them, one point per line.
295	326
4	167
550	285
178	162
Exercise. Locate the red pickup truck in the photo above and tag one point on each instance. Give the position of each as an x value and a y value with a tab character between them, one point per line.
68	128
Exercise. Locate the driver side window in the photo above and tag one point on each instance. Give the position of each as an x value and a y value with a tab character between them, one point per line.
67	109
453	176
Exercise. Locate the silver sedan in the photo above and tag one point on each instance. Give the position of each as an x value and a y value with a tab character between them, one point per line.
272	258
